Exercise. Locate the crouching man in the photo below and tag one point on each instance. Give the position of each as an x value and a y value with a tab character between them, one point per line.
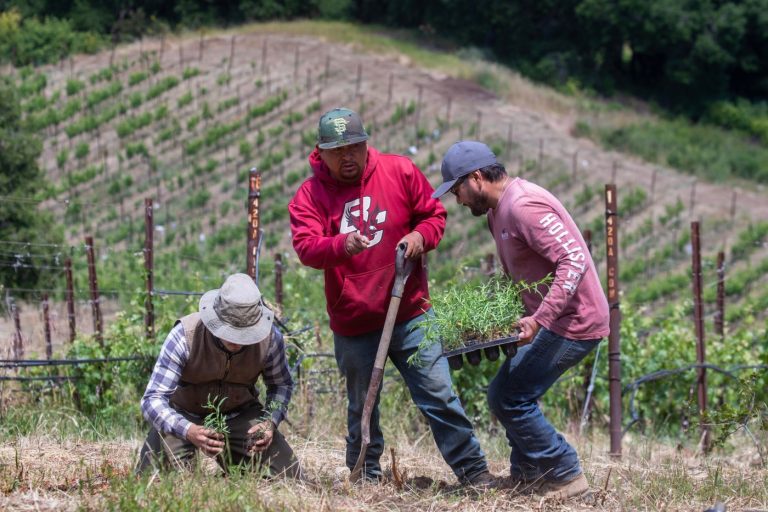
218	354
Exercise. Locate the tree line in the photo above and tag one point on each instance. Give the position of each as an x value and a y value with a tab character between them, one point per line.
683	54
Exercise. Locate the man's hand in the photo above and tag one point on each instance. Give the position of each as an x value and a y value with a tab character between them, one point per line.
261	436
528	329
209	442
355	243
415	242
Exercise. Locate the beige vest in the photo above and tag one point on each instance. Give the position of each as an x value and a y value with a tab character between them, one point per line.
213	371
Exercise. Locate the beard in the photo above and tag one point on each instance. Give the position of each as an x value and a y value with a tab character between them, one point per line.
478	212
477	205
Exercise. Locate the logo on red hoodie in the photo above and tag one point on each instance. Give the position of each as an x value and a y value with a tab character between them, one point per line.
350	220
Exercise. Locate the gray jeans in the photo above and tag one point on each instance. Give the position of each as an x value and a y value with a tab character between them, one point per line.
166	451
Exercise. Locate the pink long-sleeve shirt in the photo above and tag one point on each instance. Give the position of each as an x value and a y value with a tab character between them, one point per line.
535	236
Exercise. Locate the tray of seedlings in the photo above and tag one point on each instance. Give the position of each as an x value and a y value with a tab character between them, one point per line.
478	318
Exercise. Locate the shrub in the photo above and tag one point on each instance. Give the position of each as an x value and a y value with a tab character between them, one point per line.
750	239
81	150
74	86
61	158
99	95
34	42
136	99
227	104
223	79
190	73
131	124
162	86
293	117
161	112
198	199
245	149
184	100
701	150
137	78
267	106
137	148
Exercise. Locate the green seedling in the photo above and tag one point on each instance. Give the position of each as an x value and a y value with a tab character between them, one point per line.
217	421
266	414
476	311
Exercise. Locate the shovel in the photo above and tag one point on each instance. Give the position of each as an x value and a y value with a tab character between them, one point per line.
403	269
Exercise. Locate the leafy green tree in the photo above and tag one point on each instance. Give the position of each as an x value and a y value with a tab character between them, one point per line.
20	180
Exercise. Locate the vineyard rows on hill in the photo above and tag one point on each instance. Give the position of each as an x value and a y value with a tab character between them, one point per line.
183	120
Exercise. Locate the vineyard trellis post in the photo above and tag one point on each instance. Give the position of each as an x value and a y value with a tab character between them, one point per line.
614	343
359	80
254	222
94	288
509	140
264	56
541	155
70	297
18	339
419	94
479	124
692	206
698	318
720	315
296	64
231	55
279	280
149	319
389	90
574	163
47	328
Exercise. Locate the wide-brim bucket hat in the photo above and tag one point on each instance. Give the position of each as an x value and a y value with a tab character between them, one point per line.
236	312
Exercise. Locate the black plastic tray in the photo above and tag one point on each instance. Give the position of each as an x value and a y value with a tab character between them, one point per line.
475	349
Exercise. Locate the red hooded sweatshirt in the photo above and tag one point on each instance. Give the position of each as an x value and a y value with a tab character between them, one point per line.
396	199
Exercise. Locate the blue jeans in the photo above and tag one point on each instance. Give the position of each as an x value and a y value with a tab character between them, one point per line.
538	450
431	390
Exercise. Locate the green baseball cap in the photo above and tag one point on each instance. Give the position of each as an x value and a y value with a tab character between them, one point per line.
340	127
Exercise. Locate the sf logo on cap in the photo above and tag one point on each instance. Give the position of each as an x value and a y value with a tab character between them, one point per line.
340	124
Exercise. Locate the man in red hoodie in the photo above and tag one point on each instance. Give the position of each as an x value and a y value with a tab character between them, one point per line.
535	237
347	220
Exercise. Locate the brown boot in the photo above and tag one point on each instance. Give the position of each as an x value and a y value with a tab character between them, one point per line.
564	490
482	481
518	485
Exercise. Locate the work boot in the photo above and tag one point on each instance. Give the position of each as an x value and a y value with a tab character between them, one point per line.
518	484
482	481
564	490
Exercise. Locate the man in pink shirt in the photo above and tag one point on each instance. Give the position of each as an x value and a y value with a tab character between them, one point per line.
535	237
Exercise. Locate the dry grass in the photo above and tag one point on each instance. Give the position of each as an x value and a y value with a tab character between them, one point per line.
62	471
63	476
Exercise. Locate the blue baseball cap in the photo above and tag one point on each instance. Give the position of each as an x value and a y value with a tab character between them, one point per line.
462	158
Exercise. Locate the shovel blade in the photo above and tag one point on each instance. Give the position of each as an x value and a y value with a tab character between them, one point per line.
357	471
